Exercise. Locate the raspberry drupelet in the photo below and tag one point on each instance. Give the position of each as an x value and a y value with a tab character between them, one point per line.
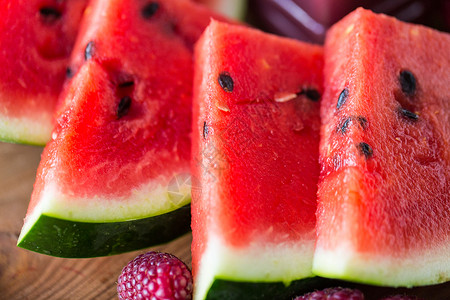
155	276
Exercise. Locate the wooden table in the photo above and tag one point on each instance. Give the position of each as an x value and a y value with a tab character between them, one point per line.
28	275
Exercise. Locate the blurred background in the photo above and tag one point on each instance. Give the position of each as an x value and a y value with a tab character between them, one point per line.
309	19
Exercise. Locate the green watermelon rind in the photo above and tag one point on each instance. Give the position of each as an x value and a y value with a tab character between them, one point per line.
224	288
25	131
425	268
267	264
75	227
73	239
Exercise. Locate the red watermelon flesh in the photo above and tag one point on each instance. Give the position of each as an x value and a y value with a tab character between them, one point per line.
255	156
384	201
36	39
122	139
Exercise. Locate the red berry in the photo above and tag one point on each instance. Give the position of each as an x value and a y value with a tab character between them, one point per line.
155	276
336	293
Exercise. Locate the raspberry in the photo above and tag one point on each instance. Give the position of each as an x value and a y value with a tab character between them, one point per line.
155	276
336	293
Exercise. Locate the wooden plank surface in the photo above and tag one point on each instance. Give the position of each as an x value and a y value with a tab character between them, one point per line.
27	275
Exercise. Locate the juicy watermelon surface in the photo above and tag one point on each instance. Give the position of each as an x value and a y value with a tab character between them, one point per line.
88	166
384	202
37	38
255	159
120	150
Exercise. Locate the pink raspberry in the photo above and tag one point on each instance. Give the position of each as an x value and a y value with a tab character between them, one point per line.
336	293
155	276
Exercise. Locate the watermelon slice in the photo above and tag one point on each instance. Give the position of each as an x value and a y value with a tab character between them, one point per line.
384	201
114	176
255	163
36	38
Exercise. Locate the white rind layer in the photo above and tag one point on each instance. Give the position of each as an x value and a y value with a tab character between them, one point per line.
26	130
429	266
149	200
259	262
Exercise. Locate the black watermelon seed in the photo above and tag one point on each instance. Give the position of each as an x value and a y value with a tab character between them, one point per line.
124	107
311	94
344	126
89	51
362	121
407	82
69	72
342	98
205	130
126	84
50	13
365	149
149	10
408	114
226	82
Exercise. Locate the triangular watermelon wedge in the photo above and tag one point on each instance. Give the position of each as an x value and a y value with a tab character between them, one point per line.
384	197
255	163
36	39
113	178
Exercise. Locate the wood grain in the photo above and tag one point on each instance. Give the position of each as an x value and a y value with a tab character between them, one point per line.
27	275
